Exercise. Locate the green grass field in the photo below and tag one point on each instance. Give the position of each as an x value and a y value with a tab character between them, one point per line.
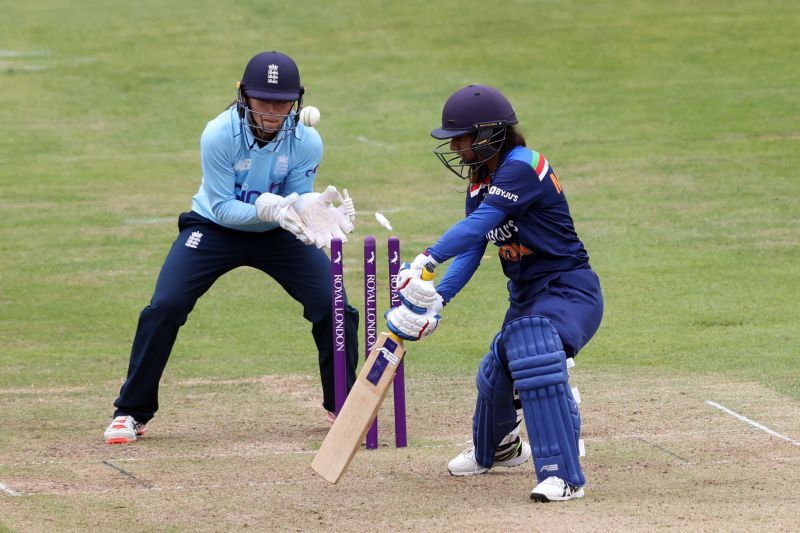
674	128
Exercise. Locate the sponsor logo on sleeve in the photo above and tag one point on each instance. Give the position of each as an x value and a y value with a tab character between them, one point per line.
497	191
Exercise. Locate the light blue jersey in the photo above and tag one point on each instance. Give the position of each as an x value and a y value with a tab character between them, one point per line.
236	171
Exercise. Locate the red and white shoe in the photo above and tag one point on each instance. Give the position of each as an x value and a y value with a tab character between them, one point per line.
123	430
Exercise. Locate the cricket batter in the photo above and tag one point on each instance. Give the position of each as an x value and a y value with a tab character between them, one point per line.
255	207
515	201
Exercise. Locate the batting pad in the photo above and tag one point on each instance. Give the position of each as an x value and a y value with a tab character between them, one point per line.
495	414
538	366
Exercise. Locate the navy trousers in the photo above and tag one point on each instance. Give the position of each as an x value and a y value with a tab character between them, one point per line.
571	300
202	253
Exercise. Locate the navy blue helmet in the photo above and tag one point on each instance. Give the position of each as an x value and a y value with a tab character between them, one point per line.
270	76
479	110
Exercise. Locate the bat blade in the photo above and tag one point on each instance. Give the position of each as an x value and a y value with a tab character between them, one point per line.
359	410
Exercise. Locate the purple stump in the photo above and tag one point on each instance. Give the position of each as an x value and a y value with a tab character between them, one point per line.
370	320
339	358
400	434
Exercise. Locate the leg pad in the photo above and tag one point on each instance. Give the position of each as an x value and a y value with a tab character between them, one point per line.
495	414
538	367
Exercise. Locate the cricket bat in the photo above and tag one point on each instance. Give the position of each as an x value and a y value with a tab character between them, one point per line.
360	408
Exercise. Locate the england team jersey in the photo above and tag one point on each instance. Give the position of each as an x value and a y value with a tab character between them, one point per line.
236	170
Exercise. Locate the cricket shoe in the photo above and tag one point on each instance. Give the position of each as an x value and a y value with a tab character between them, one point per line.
512	454
124	429
555	489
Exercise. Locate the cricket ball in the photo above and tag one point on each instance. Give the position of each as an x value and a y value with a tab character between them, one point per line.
309	116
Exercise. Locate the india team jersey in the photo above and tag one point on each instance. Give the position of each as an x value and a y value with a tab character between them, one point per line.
538	235
236	170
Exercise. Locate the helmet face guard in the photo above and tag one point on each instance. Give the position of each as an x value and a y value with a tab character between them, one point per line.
479	110
486	144
253	119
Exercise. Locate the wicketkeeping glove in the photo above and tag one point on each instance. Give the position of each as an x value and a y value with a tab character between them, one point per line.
323	220
347	206
275	208
409	325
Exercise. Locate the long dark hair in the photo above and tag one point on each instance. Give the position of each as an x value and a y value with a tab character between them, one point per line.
513	138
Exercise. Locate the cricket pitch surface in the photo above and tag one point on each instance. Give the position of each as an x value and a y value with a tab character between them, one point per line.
663	453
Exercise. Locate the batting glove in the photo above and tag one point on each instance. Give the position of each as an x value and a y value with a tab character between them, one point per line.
418	295
409	325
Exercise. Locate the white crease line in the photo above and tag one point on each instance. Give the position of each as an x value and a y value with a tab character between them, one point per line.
8	490
752	423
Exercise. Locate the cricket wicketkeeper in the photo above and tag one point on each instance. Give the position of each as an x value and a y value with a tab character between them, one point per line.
255	207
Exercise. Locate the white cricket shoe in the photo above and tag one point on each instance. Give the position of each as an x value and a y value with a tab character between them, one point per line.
510	455
124	429
555	489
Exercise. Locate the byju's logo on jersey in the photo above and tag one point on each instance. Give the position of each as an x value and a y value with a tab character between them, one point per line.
497	191
507	238
503	233
272	74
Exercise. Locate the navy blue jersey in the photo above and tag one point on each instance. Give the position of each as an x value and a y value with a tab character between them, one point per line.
523	210
538	236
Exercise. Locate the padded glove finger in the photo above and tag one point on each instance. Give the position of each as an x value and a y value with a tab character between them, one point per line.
409	325
418	295
330	194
